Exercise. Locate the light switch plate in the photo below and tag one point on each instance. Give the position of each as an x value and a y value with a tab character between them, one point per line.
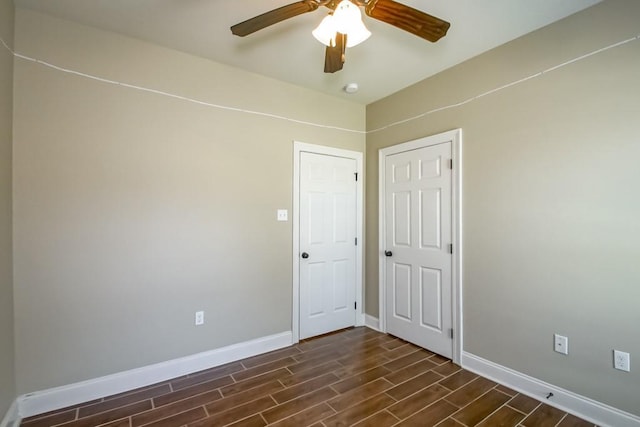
283	215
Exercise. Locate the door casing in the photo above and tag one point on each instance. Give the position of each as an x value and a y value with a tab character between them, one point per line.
455	137
299	147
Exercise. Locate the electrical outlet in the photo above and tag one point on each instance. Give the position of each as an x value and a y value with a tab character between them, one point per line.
283	215
561	344
621	361
199	318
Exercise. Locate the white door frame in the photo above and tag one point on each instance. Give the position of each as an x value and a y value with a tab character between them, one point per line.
299	147
455	137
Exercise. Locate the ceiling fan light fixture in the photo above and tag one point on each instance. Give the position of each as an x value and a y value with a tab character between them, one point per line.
346	19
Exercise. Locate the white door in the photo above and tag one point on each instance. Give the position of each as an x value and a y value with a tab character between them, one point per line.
327	243
418	268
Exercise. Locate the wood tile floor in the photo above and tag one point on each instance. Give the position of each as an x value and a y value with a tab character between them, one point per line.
356	377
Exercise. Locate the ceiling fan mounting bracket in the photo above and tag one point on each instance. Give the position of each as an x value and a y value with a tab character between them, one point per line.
332	4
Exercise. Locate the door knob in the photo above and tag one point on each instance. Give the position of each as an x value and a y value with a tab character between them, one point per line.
305	255
388	253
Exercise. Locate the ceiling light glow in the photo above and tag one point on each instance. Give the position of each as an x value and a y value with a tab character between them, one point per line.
346	19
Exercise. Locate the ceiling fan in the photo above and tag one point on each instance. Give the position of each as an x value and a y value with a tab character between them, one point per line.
336	36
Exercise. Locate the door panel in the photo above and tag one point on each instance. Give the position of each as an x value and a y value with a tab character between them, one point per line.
431	298
327	235
341	284
417	200
316	218
430	168
401	172
402	291
430	221
402	218
316	296
341	222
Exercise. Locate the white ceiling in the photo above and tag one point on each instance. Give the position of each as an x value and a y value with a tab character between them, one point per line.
389	61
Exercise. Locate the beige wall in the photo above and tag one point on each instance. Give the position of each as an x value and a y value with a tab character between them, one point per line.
7	380
551	213
134	210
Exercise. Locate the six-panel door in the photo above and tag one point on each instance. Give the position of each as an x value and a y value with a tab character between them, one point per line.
418	234
327	243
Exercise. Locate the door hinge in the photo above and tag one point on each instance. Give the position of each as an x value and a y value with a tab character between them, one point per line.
356	174
451	333
355	305
450	248
450	163
356	241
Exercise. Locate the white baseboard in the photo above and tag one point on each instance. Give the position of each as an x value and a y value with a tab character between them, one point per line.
61	397
12	417
583	407
372	322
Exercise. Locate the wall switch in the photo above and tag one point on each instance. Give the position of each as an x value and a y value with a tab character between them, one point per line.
561	344
621	360
283	215
199	318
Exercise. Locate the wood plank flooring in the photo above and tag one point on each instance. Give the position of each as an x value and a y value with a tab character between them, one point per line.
356	377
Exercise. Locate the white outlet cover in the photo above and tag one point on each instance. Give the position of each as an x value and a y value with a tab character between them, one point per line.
283	215
199	318
621	360
561	344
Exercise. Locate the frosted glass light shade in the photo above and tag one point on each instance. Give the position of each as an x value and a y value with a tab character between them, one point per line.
346	19
357	34
325	33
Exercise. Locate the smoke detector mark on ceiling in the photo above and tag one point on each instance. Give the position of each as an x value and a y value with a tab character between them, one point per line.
351	88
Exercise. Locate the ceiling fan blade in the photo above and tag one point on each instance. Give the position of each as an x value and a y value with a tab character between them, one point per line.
273	17
334	55
407	18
